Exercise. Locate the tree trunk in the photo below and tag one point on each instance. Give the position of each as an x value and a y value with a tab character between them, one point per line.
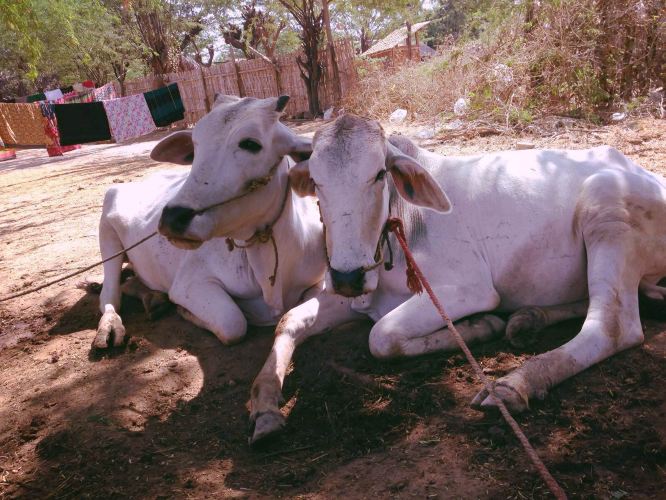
335	80
628	74
409	40
305	13
603	50
239	79
529	15
365	39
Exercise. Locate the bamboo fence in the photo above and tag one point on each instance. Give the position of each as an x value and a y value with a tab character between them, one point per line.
257	78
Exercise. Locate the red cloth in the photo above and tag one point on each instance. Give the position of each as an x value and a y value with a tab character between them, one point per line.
89	84
7	154
51	130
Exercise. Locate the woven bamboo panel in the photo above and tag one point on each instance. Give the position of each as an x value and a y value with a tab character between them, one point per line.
258	79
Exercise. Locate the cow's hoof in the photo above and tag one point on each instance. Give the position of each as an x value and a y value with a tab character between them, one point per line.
265	424
513	400
523	324
156	305
110	331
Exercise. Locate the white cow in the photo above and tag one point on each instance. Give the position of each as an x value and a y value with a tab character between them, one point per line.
240	142
544	234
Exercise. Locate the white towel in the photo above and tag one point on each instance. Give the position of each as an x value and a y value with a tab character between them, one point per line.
53	95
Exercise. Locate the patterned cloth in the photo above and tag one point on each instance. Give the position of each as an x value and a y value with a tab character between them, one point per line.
129	117
81	122
105	92
166	105
23	125
53	95
76	97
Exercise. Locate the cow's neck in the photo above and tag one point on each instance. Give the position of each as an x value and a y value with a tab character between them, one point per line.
298	236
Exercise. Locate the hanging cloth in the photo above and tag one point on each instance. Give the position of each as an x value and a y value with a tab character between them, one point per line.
105	92
51	130
166	105
22	125
6	153
53	95
129	117
76	97
36	97
81	122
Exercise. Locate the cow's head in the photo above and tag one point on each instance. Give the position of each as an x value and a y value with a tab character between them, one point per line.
350	170
238	146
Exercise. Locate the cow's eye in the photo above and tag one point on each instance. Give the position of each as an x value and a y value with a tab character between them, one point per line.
250	145
380	175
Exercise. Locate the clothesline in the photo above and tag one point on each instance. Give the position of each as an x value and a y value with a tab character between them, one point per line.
97	116
54	94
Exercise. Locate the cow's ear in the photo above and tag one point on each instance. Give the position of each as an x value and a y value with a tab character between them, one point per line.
300	180
176	148
281	103
287	143
414	183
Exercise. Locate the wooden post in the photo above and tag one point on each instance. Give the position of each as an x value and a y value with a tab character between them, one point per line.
409	40
278	77
337	90
418	47
239	80
276	68
205	89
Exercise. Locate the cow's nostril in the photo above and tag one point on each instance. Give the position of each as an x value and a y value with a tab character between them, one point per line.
176	219
348	283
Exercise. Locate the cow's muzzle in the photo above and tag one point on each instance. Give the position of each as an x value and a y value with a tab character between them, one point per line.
348	284
174	221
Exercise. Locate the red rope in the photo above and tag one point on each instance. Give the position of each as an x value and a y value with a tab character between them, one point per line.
416	282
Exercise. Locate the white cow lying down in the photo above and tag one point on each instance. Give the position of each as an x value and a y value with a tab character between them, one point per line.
546	235
216	289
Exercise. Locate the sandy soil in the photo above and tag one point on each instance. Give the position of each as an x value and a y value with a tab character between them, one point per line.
166	417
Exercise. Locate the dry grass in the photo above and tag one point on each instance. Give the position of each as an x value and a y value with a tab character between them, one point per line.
574	61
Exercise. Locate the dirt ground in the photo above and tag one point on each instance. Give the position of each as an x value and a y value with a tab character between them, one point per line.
166	417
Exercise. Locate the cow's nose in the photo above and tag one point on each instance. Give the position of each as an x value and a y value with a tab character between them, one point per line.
349	284
176	219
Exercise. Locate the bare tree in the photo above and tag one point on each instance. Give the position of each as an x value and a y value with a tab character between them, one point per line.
258	31
309	17
337	89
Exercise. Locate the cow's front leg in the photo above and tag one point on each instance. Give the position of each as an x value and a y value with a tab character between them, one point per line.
155	303
206	304
313	317
110	330
525	322
415	327
612	324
